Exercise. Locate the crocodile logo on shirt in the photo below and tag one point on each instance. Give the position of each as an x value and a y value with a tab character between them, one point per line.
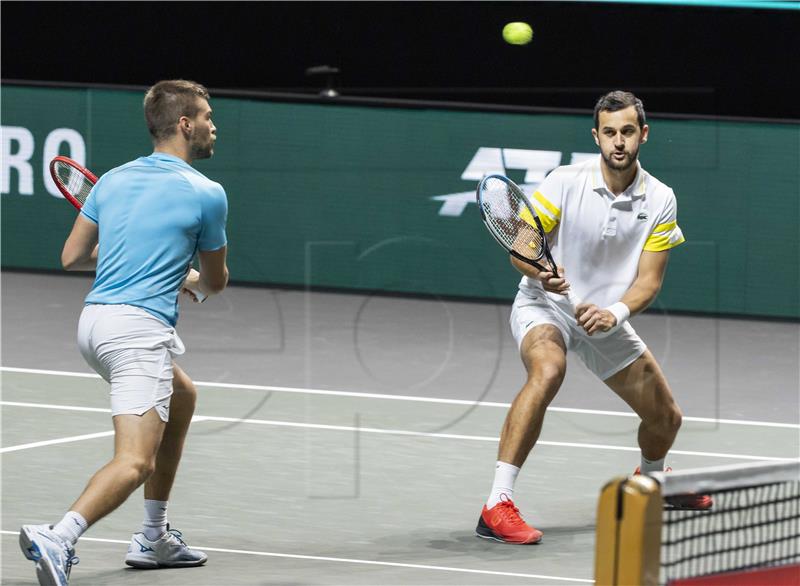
642	216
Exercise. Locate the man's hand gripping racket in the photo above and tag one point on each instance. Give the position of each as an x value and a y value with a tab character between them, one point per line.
514	223
512	220
75	182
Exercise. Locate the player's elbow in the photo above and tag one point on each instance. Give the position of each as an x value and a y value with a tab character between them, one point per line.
653	287
68	260
216	283
649	290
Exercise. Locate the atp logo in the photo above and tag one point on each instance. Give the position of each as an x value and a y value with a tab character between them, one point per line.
492	160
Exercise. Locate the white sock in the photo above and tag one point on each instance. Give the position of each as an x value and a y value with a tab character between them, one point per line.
504	477
649	466
71	527
155	519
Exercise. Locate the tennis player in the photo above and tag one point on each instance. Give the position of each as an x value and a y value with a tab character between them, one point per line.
140	227
612	225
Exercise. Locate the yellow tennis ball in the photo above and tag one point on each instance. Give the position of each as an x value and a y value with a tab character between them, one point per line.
517	33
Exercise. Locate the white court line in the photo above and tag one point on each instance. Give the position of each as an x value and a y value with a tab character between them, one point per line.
64	440
413	398
351	561
481	438
61	440
408	433
50	406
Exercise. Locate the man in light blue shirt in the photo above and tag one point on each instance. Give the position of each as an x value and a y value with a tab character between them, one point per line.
156	211
140	228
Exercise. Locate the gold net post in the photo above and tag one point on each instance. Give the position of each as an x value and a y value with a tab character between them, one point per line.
628	537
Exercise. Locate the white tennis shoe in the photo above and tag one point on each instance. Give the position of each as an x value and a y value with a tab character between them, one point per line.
54	557
168	551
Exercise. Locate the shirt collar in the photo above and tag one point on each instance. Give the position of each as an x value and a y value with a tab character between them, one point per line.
634	191
167	157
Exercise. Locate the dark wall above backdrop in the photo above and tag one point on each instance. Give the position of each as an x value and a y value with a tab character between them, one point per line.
694	60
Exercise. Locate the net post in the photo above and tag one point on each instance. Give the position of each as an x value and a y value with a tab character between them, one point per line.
628	536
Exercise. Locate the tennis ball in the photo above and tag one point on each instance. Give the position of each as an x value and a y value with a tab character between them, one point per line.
517	33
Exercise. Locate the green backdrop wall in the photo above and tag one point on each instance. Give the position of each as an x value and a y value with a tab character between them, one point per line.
380	198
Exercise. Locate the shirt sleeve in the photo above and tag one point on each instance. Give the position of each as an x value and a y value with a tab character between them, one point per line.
547	201
215	214
666	233
89	208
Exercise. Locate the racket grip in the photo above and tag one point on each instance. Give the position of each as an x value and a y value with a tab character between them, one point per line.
199	295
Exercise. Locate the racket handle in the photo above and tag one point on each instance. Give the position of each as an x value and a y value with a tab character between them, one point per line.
199	295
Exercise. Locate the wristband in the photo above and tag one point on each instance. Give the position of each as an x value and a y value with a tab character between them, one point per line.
620	311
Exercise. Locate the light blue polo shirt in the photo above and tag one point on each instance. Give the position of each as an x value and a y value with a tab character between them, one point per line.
153	214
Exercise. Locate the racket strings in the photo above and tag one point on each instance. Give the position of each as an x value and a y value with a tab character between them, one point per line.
503	210
75	182
529	242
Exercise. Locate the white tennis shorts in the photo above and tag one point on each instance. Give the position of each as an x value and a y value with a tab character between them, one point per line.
132	350
604	356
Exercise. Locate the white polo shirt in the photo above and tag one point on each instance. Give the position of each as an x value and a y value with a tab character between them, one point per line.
598	237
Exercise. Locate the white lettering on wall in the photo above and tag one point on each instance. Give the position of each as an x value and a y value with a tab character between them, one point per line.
17	149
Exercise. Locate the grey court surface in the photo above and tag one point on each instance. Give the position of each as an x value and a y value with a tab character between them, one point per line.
350	439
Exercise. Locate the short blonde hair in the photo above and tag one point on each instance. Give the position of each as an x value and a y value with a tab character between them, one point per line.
167	101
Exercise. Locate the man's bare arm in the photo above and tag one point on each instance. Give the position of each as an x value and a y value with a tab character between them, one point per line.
649	278
213	277
80	249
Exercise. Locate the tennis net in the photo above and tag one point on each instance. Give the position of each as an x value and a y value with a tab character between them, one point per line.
754	522
752	527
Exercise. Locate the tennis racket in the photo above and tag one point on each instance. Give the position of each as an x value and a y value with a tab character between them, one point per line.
75	182
511	218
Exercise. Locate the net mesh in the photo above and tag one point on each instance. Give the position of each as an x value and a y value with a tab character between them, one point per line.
72	180
754	523
504	208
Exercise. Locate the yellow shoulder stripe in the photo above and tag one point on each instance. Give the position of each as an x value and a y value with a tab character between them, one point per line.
668	227
547	205
527	217
548	223
658	243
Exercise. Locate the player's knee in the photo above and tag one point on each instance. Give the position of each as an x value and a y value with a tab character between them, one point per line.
668	420
146	468
184	390
140	468
548	374
675	419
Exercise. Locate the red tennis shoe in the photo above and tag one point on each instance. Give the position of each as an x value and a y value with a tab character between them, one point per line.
503	523
694	502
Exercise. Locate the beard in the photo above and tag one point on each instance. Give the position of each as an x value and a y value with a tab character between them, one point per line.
625	164
202	149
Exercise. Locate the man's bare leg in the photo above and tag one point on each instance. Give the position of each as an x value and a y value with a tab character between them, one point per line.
544	354
181	409
154	546
643	386
136	441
